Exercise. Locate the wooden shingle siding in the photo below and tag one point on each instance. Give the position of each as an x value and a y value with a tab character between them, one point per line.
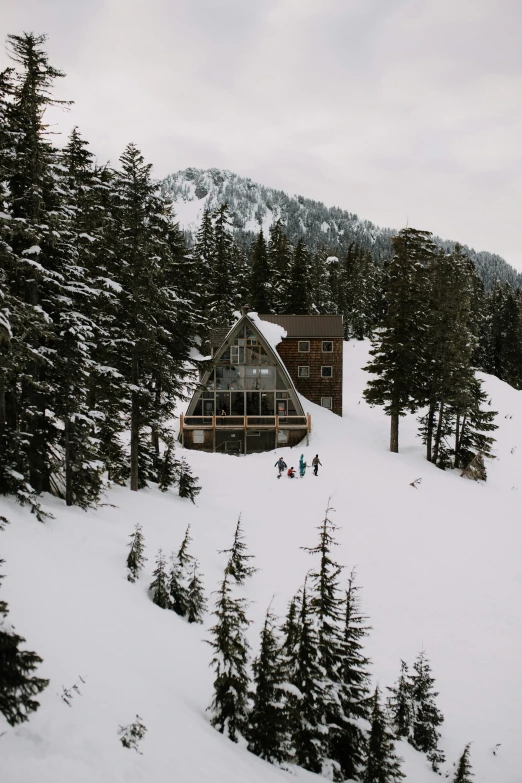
315	386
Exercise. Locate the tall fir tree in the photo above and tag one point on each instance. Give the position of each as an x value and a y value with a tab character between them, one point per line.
397	344
309	740
400	705
298	294
230	661
355	677
280	255
260	299
268	720
382	765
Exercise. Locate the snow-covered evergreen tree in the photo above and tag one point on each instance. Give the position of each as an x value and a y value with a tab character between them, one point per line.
400	705
397	345
310	741
464	772
268	720
136	558
260	298
196	598
159	588
426	716
355	677
18	684
230	661
238	563
187	483
381	765
181	567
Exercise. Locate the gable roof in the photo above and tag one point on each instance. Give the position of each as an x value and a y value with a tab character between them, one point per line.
220	346
308	325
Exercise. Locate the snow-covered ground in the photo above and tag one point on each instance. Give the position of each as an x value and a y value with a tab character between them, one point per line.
440	568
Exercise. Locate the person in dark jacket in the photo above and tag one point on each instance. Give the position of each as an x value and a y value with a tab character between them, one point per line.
280	465
315	463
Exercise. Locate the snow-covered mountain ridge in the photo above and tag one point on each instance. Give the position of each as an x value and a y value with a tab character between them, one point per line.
439	568
254	206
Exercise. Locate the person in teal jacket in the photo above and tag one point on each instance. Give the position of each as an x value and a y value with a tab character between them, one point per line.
302	466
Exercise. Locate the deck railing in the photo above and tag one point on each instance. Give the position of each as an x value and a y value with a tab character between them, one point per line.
245	422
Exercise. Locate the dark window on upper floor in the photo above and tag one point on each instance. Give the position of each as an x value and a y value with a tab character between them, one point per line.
327	346
326	372
303	346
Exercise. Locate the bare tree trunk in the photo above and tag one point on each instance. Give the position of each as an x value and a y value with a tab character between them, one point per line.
438	434
429	431
68	464
394	433
135	427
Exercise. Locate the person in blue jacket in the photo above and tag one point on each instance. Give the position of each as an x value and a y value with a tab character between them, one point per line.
280	465
302	466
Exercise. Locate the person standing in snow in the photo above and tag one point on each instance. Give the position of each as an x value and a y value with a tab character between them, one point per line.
302	466
280	465
316	462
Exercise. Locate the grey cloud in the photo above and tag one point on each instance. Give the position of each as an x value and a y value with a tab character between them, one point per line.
396	109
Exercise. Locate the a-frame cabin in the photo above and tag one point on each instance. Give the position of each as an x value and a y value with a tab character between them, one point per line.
246	402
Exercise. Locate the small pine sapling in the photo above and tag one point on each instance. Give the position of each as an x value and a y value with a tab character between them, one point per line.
464	773
237	565
179	575
187	483
169	467
132	734
159	586
196	599
382	765
136	558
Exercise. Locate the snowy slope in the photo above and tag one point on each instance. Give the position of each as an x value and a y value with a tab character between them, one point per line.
439	566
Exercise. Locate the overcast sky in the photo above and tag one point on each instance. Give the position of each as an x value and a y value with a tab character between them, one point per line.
404	111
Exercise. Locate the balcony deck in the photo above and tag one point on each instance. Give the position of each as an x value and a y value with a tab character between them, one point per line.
245	422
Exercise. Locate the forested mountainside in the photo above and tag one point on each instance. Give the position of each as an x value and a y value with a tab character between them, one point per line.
254	206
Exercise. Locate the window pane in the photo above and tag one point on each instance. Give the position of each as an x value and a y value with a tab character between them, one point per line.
198	436
252	403
282	436
237	404
228	377
326	372
281	383
303	372
327	346
222	403
267	404
198	410
303	346
326	402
